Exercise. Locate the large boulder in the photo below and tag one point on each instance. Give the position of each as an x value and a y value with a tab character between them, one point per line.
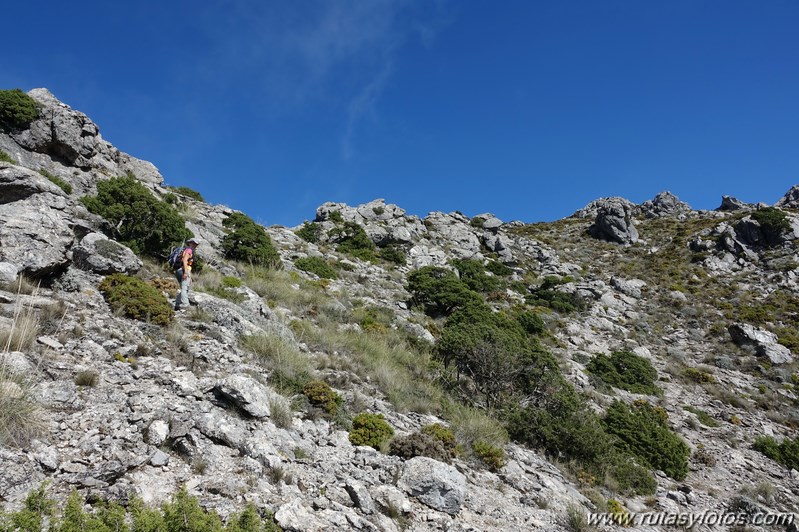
593	208
247	394
71	138
99	254
764	342
35	218
665	204
614	222
453	230
438	485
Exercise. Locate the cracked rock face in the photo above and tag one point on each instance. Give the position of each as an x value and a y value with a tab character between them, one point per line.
614	222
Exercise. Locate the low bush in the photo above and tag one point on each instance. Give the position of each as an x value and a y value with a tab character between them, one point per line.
136	299
703	417
625	370
394	254
182	513
188	192
6	158
773	223
418	444
320	394
371	430
136	217
444	435
498	268
310	232
785	452
644	432
439	290
316	265
351	238
491	456
17	109
248	242
290	370
548	296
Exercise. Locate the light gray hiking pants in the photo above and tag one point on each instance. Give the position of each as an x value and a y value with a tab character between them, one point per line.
182	297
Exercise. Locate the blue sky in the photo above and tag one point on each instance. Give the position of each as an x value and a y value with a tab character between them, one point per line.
527	109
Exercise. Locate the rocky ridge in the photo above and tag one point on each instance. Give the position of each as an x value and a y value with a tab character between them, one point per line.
188	405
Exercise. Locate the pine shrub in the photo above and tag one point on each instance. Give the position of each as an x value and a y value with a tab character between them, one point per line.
17	109
643	431
248	242
316	265
785	452
625	370
310	232
136	217
418	444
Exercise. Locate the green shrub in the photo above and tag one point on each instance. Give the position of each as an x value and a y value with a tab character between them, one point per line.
493	457
188	192
310	232
530	322
17	109
699	376
644	432
393	254
6	158
785	452
248	242
444	435
316	265
319	393
136	217
477	222
229	281
30	518
497	268
773	223
136	299
546	295
350	238
439	290
625	370
336	217
63	185
418	444
371	430
472	273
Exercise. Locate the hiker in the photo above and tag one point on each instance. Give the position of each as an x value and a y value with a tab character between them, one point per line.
183	274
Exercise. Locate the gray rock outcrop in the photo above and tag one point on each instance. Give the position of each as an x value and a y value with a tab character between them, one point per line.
614	222
790	199
99	254
764	342
438	485
35	231
664	204
728	203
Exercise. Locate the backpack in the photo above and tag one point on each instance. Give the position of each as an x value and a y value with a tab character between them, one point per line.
175	259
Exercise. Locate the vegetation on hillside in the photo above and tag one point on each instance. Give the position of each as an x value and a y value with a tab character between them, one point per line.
136	217
248	242
17	109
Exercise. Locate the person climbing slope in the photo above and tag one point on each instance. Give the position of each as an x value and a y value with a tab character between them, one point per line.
183	274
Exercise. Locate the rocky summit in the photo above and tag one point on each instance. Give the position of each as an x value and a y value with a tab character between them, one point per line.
373	370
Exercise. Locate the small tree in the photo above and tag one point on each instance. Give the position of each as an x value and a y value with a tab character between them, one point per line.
247	241
136	217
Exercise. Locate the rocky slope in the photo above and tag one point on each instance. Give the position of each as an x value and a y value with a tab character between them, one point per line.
124	407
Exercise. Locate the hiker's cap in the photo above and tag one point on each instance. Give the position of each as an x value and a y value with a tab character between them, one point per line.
193	240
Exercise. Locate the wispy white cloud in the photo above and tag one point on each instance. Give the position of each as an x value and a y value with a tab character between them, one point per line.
340	53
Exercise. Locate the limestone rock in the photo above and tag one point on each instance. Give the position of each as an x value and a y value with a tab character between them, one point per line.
438	485
99	254
765	342
790	199
34	225
728	203
8	272
247	394
665	204
592	209
71	138
614	222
